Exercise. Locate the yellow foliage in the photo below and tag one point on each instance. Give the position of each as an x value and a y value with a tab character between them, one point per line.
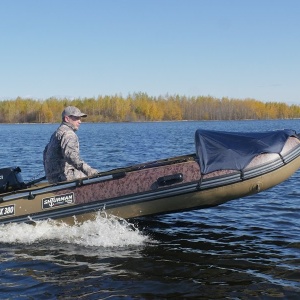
141	107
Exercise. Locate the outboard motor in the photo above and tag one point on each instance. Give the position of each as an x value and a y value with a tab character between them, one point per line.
11	179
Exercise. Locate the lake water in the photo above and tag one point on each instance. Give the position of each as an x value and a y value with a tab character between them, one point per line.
245	249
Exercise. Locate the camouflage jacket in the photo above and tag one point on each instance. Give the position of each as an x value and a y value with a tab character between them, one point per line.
61	156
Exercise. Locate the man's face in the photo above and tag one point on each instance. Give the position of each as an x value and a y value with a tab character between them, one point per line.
75	121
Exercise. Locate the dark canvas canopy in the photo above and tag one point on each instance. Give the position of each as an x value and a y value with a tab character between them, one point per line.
220	150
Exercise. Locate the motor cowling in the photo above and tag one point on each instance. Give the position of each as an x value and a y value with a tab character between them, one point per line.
11	179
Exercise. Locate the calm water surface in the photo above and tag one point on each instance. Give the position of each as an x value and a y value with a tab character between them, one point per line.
246	249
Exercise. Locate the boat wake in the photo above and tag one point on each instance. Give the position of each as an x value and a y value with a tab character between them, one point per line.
104	231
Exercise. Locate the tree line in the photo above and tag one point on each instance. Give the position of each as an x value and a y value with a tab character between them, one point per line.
142	107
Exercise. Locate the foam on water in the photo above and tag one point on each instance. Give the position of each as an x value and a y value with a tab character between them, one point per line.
105	231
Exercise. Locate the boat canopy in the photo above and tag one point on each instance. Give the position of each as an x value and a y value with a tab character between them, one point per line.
221	150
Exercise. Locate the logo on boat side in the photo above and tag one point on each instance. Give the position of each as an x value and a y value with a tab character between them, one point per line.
58	200
7	210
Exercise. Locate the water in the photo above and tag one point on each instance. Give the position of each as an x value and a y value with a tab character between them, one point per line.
245	249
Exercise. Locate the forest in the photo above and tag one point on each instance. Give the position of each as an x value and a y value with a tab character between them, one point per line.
140	107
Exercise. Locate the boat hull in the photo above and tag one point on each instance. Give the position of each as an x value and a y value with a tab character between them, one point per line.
161	187
197	199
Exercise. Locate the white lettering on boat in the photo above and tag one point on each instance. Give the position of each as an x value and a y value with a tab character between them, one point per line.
7	210
58	200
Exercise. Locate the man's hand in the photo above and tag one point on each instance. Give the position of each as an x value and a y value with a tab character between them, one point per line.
92	172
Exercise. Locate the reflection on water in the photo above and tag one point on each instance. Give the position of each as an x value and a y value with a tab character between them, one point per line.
245	249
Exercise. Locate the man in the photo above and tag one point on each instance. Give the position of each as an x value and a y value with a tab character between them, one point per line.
61	155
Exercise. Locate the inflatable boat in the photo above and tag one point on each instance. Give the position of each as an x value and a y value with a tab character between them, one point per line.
224	167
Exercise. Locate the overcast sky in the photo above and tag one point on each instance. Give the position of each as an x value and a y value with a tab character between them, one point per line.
85	48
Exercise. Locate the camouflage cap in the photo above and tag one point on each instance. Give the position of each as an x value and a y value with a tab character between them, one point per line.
72	111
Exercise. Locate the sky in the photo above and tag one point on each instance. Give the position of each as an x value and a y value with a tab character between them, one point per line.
88	48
